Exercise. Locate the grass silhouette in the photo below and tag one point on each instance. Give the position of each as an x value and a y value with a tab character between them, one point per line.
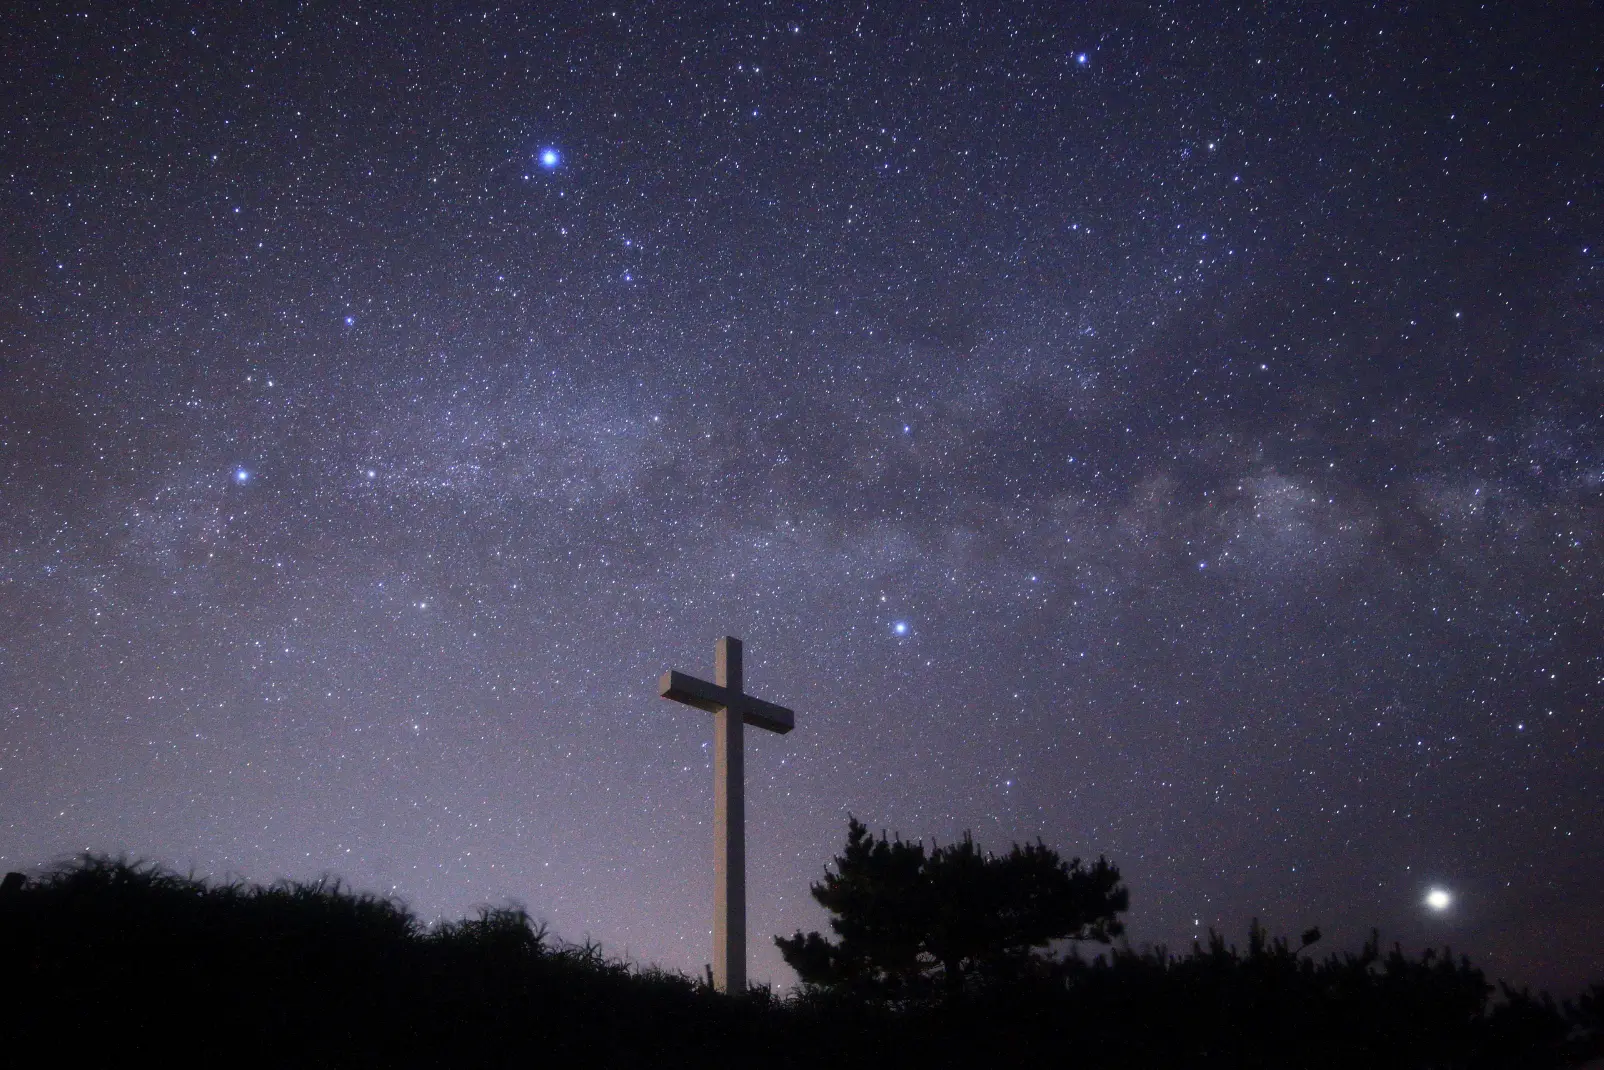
314	974
106	959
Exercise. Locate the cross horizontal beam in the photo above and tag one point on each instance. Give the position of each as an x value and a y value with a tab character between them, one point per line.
682	687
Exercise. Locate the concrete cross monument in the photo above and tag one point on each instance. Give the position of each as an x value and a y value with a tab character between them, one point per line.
732	709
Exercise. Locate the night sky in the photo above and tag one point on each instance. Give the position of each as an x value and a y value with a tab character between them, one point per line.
1170	430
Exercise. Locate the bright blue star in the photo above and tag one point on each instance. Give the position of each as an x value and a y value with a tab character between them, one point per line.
241	476
899	628
1082	58
350	321
550	158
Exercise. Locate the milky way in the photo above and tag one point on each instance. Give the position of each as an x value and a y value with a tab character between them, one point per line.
1170	431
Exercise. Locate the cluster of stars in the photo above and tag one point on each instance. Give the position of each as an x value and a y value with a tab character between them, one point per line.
1178	456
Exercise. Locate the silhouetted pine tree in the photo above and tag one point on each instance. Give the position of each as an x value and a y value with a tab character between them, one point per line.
907	921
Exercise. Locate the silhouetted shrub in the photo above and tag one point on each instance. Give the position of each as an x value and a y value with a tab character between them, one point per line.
109	952
105	960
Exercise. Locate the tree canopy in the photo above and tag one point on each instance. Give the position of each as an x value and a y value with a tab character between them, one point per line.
908	921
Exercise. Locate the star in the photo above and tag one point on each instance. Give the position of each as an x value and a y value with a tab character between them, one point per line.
550	159
899	628
1439	900
242	476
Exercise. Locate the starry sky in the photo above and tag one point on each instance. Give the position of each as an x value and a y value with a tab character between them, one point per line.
1172	430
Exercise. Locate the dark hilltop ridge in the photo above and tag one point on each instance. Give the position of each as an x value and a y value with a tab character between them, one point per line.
105	960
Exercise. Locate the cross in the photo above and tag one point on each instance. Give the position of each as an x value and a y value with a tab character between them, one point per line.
731	709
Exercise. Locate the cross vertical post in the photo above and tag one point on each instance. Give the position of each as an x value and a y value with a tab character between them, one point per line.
732	709
729	826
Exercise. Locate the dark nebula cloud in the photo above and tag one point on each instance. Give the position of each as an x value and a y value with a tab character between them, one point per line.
1170	430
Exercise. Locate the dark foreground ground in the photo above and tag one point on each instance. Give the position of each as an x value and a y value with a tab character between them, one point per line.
102	962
